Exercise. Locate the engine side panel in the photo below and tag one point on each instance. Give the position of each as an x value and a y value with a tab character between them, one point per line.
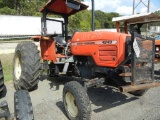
106	48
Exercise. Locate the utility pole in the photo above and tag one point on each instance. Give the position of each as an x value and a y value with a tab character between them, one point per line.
148	8
93	16
140	1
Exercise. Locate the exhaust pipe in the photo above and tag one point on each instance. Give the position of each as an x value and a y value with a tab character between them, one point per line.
130	88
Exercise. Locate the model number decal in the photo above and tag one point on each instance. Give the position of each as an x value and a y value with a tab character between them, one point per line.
107	42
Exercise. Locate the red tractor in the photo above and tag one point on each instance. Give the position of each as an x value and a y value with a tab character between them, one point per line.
98	58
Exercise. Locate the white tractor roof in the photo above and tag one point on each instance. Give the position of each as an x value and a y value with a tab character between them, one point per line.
139	18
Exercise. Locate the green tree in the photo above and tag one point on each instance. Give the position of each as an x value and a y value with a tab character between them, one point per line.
80	21
85	25
101	17
7	11
74	21
21	7
7	7
109	22
97	24
157	12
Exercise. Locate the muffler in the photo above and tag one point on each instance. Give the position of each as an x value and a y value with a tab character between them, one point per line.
130	88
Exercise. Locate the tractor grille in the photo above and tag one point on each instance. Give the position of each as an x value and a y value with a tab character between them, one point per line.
143	63
107	53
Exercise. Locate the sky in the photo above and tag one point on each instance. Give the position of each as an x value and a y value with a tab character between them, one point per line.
123	7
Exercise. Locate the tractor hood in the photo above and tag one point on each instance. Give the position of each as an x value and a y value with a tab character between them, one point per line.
63	7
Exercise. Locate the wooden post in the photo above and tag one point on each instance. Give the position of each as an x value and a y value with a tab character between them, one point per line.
117	26
125	27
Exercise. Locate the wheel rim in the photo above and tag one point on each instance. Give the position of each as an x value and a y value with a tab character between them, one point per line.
17	67
71	104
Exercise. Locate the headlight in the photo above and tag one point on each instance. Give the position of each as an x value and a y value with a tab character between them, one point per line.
157	49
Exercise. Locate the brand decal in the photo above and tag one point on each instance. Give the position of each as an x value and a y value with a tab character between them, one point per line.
95	42
89	43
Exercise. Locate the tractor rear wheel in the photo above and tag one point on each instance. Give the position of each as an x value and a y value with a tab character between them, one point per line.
76	101
1	79
23	105
26	66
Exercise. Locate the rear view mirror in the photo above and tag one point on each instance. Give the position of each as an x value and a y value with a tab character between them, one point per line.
71	4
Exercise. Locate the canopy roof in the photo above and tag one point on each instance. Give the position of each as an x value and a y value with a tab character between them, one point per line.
139	18
63	7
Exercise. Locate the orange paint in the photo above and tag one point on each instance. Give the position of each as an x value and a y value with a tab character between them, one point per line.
48	51
100	46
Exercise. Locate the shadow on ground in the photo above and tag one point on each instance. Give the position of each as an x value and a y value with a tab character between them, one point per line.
157	71
55	82
4	92
101	98
60	105
157	75
107	97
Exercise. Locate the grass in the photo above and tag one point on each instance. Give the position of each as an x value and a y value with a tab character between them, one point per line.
7	61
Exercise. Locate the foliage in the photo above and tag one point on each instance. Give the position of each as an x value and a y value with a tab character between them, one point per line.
157	12
7	11
21	7
105	19
80	21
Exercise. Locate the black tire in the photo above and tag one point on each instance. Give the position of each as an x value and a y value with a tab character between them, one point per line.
23	106
138	92
26	66
1	79
80	107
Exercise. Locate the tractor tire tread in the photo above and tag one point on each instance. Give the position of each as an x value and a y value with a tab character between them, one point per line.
30	66
23	105
1	79
81	97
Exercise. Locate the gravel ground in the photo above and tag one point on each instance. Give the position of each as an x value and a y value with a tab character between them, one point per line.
7	48
107	103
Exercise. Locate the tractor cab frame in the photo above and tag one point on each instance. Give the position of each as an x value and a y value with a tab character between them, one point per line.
48	40
63	8
134	23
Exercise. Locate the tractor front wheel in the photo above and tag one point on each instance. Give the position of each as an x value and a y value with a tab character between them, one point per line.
23	106
76	101
26	66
